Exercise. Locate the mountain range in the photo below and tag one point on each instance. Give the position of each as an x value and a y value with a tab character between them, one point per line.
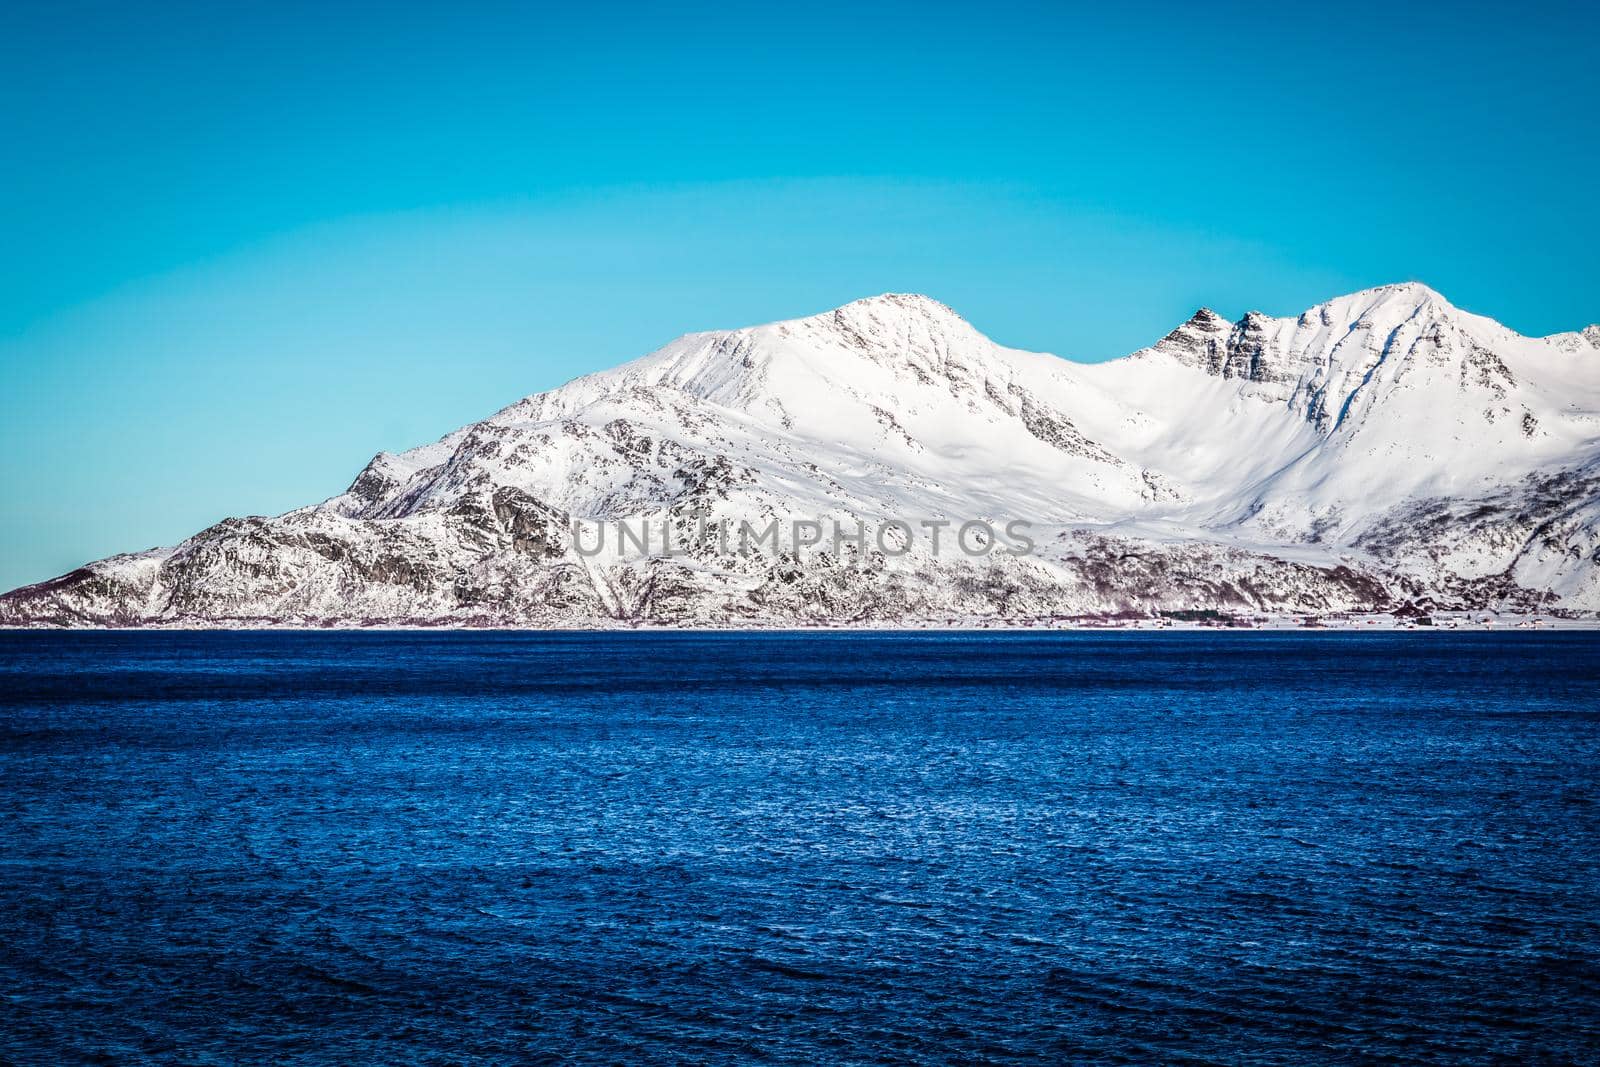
1383	452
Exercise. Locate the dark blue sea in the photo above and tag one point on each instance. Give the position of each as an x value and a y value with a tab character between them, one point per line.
396	848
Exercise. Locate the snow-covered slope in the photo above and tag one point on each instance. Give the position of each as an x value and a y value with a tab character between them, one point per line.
1382	451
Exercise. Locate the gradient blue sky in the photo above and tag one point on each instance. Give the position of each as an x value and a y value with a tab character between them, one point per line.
247	246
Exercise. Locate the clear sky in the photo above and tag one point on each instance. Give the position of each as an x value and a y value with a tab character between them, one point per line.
246	246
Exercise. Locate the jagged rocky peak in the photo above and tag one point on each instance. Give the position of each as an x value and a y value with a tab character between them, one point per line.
1198	341
1203	324
1213	344
1206	319
1249	353
1249	347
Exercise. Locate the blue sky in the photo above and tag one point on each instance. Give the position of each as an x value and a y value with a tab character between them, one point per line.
245	247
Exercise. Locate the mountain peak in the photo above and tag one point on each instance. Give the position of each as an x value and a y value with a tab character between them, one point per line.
890	323
916	303
1405	298
1416	291
762	365
1374	450
1272	352
1197	341
895	307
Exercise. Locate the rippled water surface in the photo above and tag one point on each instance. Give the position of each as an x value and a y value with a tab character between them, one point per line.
442	848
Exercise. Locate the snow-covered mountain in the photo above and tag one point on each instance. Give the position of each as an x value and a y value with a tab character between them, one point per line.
1384	451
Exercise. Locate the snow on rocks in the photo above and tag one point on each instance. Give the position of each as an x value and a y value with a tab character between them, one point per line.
1381	452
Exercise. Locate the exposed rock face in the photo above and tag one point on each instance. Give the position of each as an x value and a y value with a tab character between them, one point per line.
1382	451
1201	342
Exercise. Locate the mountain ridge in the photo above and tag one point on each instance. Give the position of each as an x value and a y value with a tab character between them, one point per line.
1381	451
